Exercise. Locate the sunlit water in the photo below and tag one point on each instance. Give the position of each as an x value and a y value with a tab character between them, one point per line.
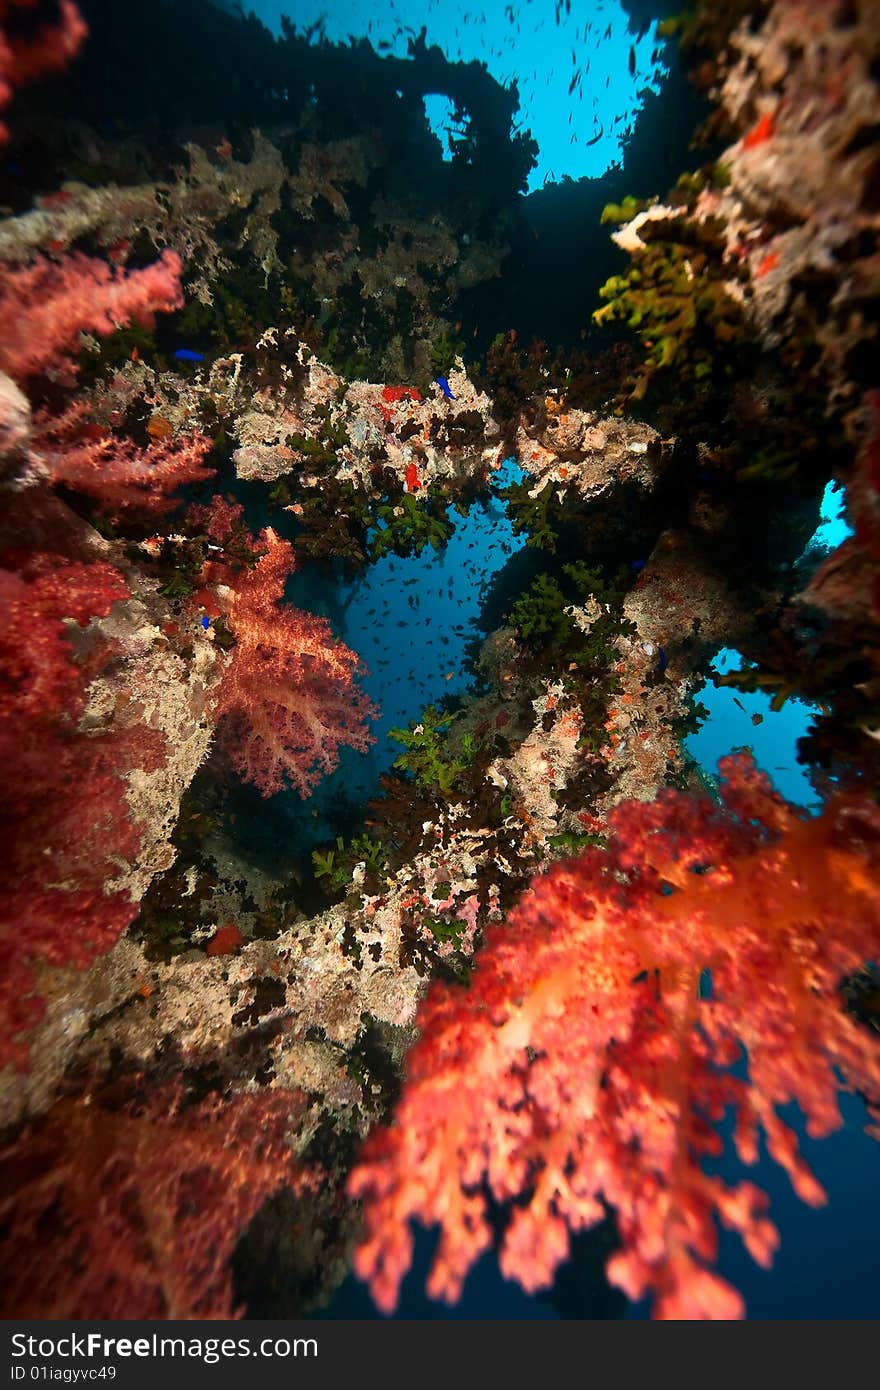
578	109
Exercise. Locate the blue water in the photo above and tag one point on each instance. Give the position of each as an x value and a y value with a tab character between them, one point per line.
731	713
522	41
833	527
410	621
773	742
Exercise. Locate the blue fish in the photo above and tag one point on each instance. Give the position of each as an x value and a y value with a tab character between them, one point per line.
187	355
206	622
444	387
637	565
662	660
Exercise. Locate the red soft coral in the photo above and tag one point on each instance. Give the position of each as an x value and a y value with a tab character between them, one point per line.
133	1210
45	306
288	698
588	1066
94	461
38	677
64	820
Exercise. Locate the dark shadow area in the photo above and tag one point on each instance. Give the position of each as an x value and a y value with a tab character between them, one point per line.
551	280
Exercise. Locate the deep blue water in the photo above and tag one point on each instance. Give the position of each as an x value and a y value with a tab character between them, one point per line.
410	620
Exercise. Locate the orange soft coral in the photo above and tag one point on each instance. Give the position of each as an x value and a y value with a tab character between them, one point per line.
590	1063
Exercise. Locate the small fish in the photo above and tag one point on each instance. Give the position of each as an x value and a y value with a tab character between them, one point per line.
757	719
188	355
637	565
739	704
444	387
206	622
662	660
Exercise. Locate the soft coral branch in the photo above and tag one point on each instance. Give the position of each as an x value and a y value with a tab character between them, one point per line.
116	472
64	819
32	44
45	306
589	1064
288	697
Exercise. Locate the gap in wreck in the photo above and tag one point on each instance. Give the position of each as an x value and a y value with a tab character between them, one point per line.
416	623
746	719
412	621
580	119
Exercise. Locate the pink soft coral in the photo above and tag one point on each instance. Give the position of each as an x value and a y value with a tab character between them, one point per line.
288	698
93	460
589	1065
45	306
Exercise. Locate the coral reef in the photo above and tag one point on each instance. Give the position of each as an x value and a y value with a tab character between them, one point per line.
519	989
